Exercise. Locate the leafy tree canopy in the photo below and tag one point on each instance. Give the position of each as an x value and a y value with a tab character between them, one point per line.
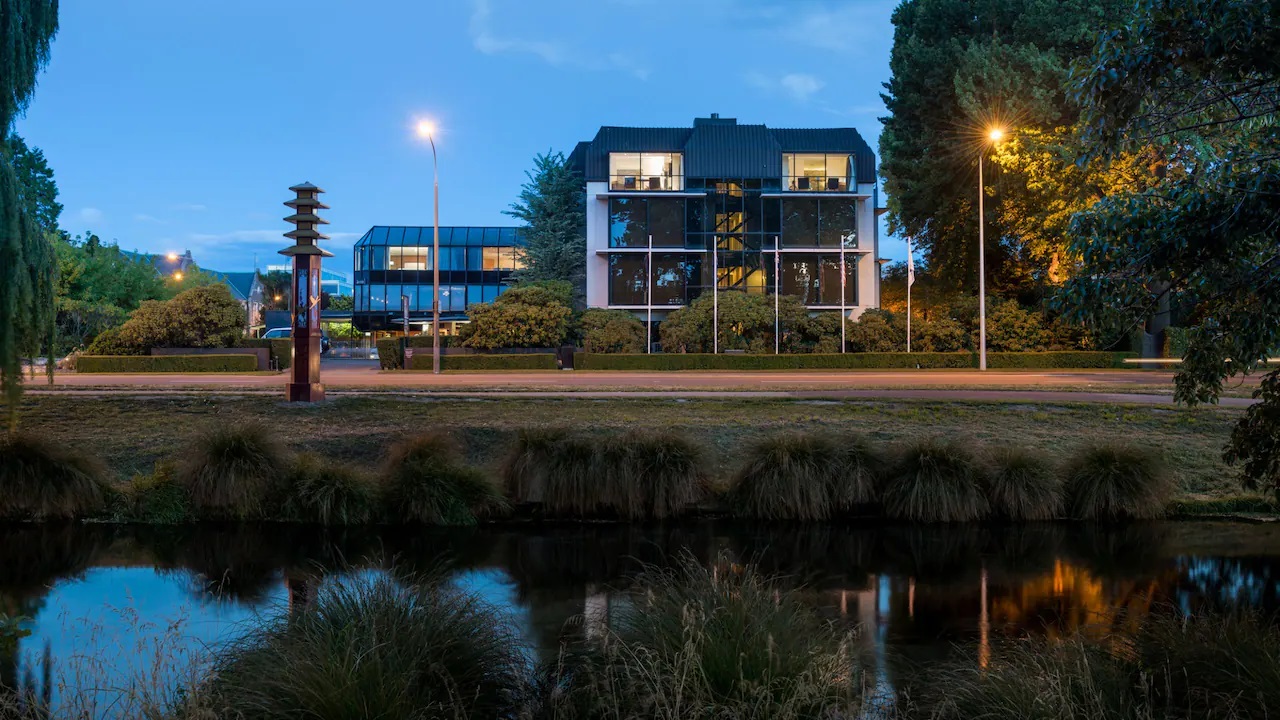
39	191
553	208
201	317
612	331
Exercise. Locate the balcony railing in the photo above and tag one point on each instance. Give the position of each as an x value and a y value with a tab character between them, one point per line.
647	183
816	183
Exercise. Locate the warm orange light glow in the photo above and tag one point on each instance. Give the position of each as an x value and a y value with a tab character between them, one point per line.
426	129
177	276
173	257
277	298
995	134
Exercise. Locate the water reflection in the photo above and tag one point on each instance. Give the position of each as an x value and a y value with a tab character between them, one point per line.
919	594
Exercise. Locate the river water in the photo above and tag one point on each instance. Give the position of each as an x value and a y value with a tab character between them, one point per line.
114	603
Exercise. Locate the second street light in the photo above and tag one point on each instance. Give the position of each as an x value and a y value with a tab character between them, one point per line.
428	131
994	135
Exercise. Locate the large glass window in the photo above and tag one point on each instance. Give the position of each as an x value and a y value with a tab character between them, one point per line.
800	222
476	257
627	221
814	278
666	222
646	171
408	258
674	275
491	255
627	283
816	172
839	222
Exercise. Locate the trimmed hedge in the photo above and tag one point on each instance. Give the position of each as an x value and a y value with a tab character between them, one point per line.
165	363
281	350
391	355
538	361
846	361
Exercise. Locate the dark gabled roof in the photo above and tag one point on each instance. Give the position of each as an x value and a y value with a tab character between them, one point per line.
240	283
718	147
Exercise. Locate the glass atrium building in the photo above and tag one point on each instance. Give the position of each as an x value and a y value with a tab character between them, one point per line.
392	263
673	213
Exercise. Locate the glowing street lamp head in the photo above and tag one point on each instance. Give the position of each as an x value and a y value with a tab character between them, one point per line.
172	257
995	134
426	129
177	276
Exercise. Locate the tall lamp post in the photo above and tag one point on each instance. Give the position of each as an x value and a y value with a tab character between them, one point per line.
994	135
428	131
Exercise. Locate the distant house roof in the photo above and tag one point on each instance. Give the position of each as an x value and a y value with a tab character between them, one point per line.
240	283
717	147
166	264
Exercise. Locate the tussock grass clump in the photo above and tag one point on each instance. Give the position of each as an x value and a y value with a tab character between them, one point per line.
425	481
330	493
857	480
787	477
932	480
651	475
715	642
44	479
371	647
1116	482
1023	485
157	498
234	471
526	467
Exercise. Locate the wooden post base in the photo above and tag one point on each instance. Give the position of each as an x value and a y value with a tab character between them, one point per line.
304	392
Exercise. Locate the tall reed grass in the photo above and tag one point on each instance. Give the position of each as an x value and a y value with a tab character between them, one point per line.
234	471
426	481
805	476
1110	481
43	479
932	480
1022	484
330	493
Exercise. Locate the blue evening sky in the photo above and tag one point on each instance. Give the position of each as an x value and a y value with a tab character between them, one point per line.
179	125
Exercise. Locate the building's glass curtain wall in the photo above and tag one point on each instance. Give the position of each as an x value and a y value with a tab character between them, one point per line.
390	262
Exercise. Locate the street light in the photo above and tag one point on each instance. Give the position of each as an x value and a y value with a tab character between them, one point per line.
994	135
427	130
177	277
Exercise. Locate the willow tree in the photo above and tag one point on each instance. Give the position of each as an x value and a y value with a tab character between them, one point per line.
27	262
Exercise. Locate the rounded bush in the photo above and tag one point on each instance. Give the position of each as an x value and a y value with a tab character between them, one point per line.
330	493
234	471
787	477
1116	482
1022	485
717	642
44	479
426	482
935	481
371	647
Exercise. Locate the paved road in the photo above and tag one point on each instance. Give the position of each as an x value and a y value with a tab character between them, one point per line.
349	377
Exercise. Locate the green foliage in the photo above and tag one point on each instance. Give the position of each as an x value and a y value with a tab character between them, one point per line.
165	363
1255	440
869	361
704	643
931	480
1022	484
329	493
281	349
877	331
522	317
539	292
805	476
941	335
44	479
157	498
98	286
344	303
746	322
1116	482
651	475
277	284
1175	342
426	482
201	317
390	353
40	192
1010	328
464	363
612	331
234	471
371	647
1065	359
552	206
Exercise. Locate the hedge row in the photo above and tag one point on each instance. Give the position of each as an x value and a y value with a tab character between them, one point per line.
165	363
391	350
540	361
281	350
707	361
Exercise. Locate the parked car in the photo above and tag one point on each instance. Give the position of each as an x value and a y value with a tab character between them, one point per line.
288	332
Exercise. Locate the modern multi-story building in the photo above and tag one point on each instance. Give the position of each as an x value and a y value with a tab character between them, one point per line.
673	213
333	282
391	262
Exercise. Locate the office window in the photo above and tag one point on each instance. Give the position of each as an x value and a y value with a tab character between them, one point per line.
666	222
839	222
491	258
627	281
378	236
455	258
800	222
627	222
490	293
816	172
646	171
408	258
476	258
413	236
674	275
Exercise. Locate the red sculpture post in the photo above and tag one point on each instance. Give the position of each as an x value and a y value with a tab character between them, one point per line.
304	382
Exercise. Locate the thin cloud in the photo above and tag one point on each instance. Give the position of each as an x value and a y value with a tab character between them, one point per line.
91	215
485	39
845	28
190	207
800	86
145	218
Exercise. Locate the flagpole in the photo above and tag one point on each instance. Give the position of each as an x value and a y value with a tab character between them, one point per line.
715	296
911	280
777	331
844	314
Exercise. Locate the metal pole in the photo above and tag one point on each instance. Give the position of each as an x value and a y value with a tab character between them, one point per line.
844	314
715	295
908	315
648	298
982	274
435	265
777	276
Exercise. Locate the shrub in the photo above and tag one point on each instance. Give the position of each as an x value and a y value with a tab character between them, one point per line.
1010	328
42	478
877	331
205	316
521	317
787	477
612	331
426	482
463	363
1022	485
1057	359
526	467
940	335
234	471
281	350
166	363
845	361
1255	439
746	322
157	498
1115	482
650	475
716	643
371	647
330	493
934	481
109	342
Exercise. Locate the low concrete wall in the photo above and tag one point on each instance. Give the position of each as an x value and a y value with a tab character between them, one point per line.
263	354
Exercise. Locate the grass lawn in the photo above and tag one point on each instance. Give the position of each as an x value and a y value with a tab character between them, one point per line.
131	433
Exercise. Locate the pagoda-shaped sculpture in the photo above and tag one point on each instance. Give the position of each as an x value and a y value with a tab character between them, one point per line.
304	382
